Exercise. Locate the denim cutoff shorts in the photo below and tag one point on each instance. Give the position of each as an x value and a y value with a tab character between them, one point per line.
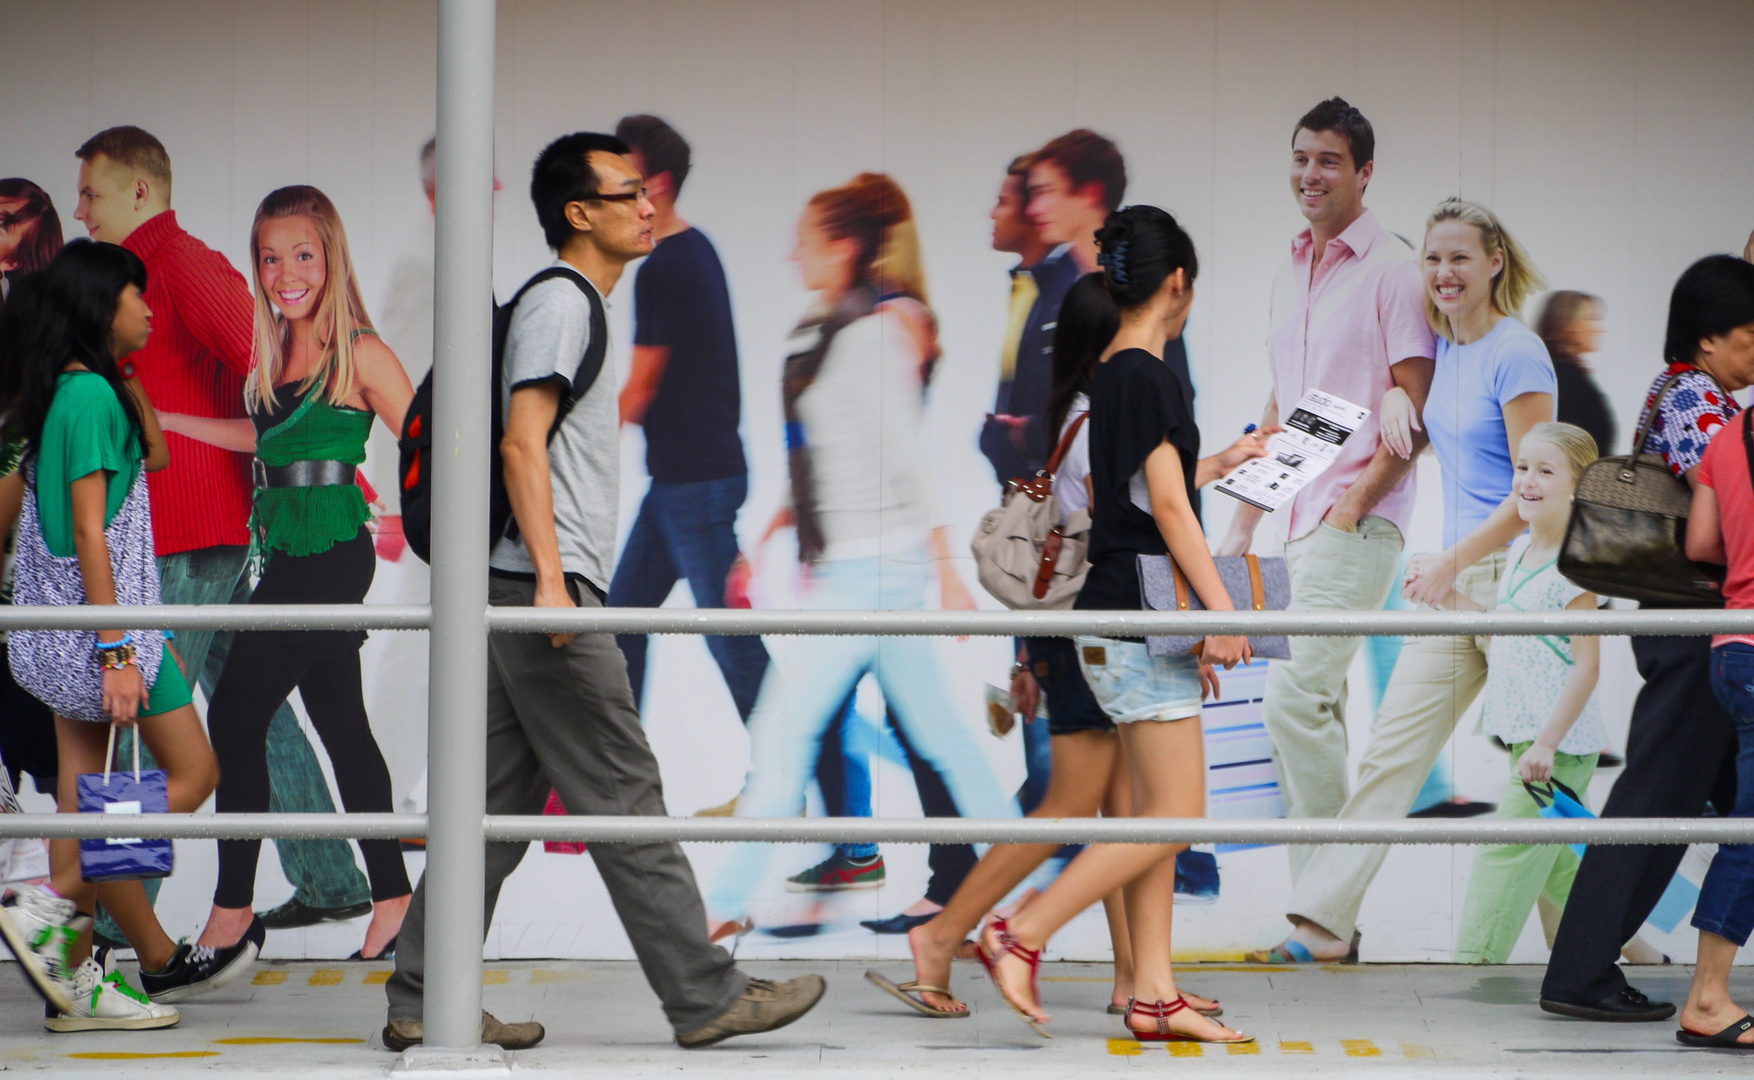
1130	684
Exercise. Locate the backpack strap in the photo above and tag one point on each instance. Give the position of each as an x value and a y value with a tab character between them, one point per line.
596	348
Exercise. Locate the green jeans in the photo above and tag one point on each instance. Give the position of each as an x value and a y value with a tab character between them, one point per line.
322	872
1508	879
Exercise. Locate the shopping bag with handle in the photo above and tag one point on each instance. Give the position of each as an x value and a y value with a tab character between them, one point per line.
122	793
1555	800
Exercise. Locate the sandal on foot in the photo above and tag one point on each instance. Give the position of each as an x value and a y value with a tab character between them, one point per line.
1292	951
990	961
1724	1040
913	995
1161	1011
1213	1013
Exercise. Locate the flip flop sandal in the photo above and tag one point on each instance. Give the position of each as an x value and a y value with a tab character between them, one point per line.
1292	951
1723	1040
905	993
1213	1013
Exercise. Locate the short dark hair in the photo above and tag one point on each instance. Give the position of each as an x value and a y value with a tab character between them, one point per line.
1141	246
1088	158
563	174
1713	296
131	148
662	146
1020	166
1337	114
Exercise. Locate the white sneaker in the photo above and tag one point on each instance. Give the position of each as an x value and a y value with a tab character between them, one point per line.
108	1003
39	927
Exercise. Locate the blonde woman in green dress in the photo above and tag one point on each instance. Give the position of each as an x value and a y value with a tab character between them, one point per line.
321	375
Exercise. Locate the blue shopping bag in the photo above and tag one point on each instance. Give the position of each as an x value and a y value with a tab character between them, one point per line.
1558	801
118	793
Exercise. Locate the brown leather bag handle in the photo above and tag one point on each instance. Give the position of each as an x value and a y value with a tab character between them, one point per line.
1059	454
1257	592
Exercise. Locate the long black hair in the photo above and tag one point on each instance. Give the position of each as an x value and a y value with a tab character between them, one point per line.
1088	320
66	314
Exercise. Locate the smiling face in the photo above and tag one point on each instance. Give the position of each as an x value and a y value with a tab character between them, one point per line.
1458	272
132	324
1543	485
1328	185
113	201
291	265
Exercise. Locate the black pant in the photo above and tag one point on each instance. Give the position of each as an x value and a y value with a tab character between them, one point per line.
1680	753
27	732
263	667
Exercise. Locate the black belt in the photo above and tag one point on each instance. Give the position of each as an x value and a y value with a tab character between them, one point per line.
303	474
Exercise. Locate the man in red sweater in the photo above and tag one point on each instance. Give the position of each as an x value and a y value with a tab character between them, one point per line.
201	347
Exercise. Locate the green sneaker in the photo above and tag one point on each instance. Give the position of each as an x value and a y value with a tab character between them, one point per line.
837	873
39	927
107	1003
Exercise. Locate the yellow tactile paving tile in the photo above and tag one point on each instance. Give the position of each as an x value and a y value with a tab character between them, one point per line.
376	978
1244	1048
326	977
1293	1047
493	978
1359	1048
268	978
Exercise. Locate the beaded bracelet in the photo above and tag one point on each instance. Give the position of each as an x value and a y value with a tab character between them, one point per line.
115	659
126	639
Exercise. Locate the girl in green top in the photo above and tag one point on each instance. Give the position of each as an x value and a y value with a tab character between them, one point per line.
74	398
321	374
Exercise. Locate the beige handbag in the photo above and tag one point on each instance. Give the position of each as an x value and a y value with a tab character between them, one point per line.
1026	557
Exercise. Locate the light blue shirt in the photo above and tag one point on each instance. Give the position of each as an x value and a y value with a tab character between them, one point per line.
1464	417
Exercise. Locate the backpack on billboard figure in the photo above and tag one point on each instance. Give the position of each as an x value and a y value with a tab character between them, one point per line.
414	468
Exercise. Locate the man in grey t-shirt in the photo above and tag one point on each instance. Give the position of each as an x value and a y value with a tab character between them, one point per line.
559	708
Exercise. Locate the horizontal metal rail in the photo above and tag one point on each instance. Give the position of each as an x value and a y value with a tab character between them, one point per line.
892	623
645	830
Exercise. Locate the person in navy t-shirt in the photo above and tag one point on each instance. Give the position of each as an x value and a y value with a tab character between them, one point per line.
684	390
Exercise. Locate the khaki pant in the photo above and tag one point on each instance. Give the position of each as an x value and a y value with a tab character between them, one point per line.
1305	707
1435	681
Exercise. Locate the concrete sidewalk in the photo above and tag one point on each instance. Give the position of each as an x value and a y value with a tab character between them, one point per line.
323	1019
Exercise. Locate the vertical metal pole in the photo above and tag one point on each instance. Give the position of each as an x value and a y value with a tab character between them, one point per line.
462	361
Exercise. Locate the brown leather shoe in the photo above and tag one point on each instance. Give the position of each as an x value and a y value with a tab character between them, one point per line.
764	1006
399	1035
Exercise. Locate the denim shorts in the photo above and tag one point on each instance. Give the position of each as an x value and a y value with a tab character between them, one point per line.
1130	684
1071	707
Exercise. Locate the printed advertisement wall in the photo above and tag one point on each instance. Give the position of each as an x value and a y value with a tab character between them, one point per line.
1614	140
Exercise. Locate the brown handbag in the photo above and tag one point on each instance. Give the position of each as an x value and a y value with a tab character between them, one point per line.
1628	531
1025	555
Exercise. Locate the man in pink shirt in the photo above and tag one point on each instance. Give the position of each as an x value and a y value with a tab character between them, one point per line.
1347	318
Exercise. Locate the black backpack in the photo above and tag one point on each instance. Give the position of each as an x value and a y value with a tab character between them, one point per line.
415	446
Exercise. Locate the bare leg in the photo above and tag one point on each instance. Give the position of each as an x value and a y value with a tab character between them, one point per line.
1709	1008
1117	802
1083	766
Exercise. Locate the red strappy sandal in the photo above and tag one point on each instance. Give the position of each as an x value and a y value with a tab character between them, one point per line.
1161	1011
1032	957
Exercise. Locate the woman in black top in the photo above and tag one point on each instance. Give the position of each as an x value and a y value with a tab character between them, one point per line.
1144	467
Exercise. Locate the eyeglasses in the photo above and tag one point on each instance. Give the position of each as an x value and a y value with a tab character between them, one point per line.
625	196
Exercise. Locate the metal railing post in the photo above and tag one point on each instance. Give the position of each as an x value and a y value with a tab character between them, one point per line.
462	361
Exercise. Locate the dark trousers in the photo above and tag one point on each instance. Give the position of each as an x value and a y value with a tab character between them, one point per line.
261	670
688	531
27	732
1680	754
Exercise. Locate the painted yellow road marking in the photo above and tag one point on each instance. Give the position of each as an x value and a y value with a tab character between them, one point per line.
1244	1048
1359	1048
268	978
325	977
276	1040
1417	1050
1296	1047
122	1055
1185	1049
539	976
376	978
493	978
1125	1047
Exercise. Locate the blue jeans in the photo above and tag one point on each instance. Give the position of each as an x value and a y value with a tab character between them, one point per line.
322	872
798	706
1726	899
688	531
